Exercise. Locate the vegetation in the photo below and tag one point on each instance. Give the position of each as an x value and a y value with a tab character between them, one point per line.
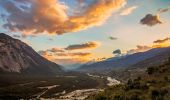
14	87
154	85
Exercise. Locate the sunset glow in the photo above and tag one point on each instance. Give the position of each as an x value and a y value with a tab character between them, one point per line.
87	30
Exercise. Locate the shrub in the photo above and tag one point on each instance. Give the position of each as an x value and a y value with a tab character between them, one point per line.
150	70
166	78
158	94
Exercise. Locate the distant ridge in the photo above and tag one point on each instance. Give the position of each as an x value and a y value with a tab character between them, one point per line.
137	60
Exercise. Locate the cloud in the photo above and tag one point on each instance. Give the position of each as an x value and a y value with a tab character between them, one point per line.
156	44
70	61
162	10
59	54
151	20
88	45
80	54
161	43
76	54
128	11
162	40
55	50
112	38
65	58
42	16
52	16
118	51
139	48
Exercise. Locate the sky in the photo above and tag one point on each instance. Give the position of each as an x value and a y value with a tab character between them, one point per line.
77	31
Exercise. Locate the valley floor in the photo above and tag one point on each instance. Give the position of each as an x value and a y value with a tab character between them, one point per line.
63	87
154	84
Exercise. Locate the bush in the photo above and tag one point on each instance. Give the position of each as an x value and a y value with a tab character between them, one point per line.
135	97
166	78
100	97
118	97
150	70
158	94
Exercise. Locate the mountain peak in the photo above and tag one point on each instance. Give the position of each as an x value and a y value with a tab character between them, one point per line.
16	56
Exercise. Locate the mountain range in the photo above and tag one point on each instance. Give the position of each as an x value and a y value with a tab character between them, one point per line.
138	60
17	57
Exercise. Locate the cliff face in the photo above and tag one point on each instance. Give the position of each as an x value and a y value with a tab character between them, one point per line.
16	56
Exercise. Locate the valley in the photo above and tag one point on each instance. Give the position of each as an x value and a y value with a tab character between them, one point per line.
84	50
27	75
25	87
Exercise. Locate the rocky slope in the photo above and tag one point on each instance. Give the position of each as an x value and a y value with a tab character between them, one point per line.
18	57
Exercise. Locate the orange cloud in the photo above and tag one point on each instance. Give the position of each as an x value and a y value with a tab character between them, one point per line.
88	45
70	61
59	54
156	44
161	43
52	16
162	40
66	58
139	48
54	50
76	54
128	10
56	53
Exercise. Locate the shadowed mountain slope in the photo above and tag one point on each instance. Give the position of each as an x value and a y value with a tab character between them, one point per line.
18	57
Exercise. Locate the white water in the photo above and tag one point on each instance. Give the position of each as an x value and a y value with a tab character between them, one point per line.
76	95
47	88
95	76
112	81
80	94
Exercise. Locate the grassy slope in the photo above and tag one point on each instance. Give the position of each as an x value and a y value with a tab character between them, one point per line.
153	85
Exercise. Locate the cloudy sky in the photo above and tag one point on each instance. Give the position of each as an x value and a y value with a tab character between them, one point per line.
71	31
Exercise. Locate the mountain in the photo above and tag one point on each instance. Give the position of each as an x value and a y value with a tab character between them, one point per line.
137	60
18	57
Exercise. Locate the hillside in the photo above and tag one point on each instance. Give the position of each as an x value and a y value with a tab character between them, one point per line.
153	85
18	57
